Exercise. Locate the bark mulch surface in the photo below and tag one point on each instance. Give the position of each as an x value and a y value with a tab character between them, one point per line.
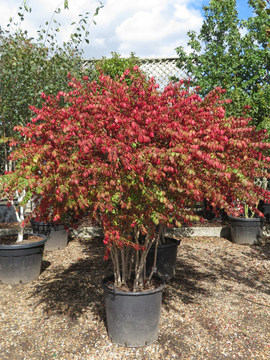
216	307
14	225
208	223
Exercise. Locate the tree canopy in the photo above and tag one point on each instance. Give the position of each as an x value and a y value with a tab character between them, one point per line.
234	55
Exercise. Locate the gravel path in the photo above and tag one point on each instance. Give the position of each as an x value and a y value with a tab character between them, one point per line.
216	307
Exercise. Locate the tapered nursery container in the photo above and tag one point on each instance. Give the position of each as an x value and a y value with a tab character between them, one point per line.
57	236
246	230
21	263
166	258
132	317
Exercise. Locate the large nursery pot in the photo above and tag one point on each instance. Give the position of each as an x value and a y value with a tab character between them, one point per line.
57	236
132	317
166	258
21	262
246	230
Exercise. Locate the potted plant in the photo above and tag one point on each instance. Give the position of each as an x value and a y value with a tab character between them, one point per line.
246	228
248	220
135	157
264	207
56	234
21	253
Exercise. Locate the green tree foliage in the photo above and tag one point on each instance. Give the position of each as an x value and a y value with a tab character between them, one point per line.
116	66
233	55
29	67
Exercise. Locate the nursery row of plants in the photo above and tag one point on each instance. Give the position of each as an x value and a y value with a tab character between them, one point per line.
133	157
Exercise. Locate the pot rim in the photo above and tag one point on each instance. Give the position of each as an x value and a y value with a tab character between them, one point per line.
112	289
259	219
176	242
25	246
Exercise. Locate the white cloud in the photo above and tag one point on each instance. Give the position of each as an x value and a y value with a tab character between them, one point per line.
190	19
116	8
99	42
165	28
7	10
144	27
147	27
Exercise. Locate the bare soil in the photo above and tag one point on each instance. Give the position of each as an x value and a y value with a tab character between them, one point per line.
155	283
12	239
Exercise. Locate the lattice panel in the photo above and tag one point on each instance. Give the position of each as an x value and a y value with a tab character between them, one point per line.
161	69
89	64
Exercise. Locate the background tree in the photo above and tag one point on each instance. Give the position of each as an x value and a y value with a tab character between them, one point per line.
29	67
116	66
222	56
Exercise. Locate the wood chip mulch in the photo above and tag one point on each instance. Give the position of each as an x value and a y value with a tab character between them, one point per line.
216	307
13	225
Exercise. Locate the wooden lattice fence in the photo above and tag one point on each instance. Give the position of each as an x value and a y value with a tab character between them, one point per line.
160	68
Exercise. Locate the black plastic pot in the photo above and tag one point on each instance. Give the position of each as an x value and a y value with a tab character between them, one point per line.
7	214
166	258
265	209
57	236
21	263
132	317
246	231
209	214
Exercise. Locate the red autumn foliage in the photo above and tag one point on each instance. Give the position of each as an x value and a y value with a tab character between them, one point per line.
134	156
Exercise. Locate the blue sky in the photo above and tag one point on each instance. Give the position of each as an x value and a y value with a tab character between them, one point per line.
150	28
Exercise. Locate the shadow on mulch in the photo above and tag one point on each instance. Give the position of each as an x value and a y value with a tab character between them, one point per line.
44	265
261	252
73	290
186	283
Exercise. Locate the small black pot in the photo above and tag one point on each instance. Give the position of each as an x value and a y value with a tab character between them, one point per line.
246	231
57	236
166	258
21	263
132	317
209	214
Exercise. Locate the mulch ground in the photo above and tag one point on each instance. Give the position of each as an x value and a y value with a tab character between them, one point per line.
216	307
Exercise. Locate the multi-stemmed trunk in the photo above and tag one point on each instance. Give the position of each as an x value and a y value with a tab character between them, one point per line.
130	264
20	216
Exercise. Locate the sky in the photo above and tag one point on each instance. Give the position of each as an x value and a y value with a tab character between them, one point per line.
150	28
